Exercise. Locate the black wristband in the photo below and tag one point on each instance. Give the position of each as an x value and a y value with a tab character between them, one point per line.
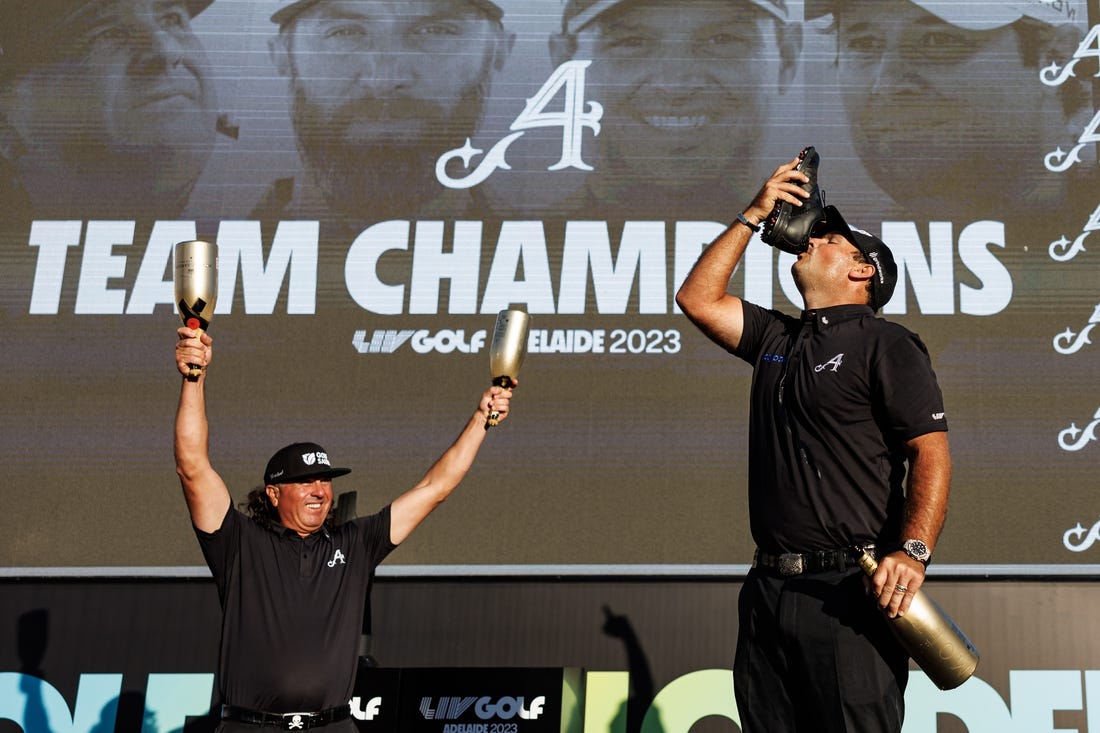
741	218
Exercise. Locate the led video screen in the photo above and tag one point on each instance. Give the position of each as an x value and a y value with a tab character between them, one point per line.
382	179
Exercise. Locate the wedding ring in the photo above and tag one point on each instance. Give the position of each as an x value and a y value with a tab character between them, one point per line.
900	589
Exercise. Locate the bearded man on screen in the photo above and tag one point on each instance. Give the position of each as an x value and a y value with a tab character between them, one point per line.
378	89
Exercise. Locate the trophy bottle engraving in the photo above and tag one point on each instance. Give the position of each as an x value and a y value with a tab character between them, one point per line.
507	351
195	277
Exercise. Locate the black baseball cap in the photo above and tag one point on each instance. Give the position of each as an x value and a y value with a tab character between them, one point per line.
873	249
299	462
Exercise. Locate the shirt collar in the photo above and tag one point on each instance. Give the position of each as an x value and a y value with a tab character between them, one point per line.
287	532
822	318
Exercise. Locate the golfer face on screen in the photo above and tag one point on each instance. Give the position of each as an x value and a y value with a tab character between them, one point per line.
686	87
380	88
112	101
930	95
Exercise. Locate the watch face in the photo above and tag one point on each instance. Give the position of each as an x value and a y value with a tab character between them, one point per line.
916	550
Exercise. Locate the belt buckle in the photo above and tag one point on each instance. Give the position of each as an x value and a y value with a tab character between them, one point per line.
296	721
791	563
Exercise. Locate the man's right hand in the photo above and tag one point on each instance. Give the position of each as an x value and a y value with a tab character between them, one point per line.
784	185
704	296
194	348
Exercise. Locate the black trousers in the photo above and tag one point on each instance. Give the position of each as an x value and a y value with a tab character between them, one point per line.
815	654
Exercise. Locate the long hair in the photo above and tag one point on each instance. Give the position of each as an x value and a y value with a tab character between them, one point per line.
260	510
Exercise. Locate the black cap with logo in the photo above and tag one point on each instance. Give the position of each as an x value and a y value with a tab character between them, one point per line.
300	462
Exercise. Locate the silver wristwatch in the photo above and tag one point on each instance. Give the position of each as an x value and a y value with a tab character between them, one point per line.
917	550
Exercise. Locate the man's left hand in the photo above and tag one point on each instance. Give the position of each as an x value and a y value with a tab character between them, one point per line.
896	582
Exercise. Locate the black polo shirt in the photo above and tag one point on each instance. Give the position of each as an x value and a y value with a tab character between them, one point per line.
292	609
835	396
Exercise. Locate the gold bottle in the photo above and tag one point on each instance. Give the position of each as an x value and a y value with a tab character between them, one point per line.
507	351
195	276
932	639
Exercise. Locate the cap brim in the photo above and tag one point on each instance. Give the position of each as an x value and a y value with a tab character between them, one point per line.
865	242
286	14
194	7
582	19
974	16
327	473
834	222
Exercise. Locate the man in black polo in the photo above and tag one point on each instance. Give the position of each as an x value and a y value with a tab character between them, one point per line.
841	402
293	583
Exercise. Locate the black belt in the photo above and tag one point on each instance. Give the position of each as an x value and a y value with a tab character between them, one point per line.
797	563
286	721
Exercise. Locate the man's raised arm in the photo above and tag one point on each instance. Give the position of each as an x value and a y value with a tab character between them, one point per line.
703	297
412	507
206	494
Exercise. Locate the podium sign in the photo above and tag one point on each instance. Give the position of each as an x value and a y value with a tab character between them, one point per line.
469	700
374	704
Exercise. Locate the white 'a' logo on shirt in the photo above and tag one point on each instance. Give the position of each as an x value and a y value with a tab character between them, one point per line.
834	363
